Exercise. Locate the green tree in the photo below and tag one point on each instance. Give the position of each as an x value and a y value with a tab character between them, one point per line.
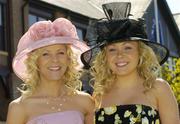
173	77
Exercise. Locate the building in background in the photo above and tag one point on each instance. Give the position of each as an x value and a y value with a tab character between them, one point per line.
17	15
177	19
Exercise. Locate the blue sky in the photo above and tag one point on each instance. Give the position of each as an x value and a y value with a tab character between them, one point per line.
174	5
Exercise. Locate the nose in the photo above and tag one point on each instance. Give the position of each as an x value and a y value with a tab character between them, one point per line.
54	58
120	54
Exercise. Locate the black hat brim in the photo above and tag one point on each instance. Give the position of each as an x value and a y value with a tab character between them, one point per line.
160	51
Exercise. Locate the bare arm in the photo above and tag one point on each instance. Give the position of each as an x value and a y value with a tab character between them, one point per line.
87	103
167	104
89	117
16	113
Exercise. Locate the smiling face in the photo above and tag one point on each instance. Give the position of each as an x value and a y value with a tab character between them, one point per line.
53	62
123	57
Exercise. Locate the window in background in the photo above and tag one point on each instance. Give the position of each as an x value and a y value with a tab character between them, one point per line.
0	14
80	33
38	14
2	41
34	18
4	90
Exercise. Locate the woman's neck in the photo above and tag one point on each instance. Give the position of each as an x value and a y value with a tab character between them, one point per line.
127	81
50	88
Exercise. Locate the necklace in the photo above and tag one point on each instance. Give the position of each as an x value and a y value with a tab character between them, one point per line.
56	103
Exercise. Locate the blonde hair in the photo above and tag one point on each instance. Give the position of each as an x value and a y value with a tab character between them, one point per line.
71	75
147	68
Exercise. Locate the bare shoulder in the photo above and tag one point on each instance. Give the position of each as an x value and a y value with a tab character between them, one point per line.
162	86
16	105
16	112
87	103
85	100
167	104
85	97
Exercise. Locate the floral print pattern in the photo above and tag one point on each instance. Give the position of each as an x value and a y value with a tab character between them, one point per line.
127	114
110	110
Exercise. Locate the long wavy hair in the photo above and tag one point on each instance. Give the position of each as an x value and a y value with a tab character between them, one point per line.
71	76
148	68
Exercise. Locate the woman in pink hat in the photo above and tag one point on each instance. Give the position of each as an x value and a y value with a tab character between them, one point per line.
46	60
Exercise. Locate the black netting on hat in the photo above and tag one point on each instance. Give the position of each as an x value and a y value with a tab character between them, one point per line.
117	10
88	57
161	52
119	29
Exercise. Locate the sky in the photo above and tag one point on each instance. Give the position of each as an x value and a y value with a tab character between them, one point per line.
174	5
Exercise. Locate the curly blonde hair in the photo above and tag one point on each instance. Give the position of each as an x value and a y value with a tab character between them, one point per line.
147	68
71	75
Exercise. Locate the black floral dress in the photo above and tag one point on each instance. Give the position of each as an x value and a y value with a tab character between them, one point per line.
127	114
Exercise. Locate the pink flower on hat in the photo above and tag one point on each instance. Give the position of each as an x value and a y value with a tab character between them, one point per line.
64	27
40	30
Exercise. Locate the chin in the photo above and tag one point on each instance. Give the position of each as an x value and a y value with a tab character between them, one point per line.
125	72
54	77
122	74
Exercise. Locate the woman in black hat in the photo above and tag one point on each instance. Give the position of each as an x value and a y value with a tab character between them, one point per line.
125	70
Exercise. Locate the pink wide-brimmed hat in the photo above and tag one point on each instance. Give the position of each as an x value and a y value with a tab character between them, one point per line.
45	33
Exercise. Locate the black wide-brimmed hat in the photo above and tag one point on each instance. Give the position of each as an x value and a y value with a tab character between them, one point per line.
107	31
